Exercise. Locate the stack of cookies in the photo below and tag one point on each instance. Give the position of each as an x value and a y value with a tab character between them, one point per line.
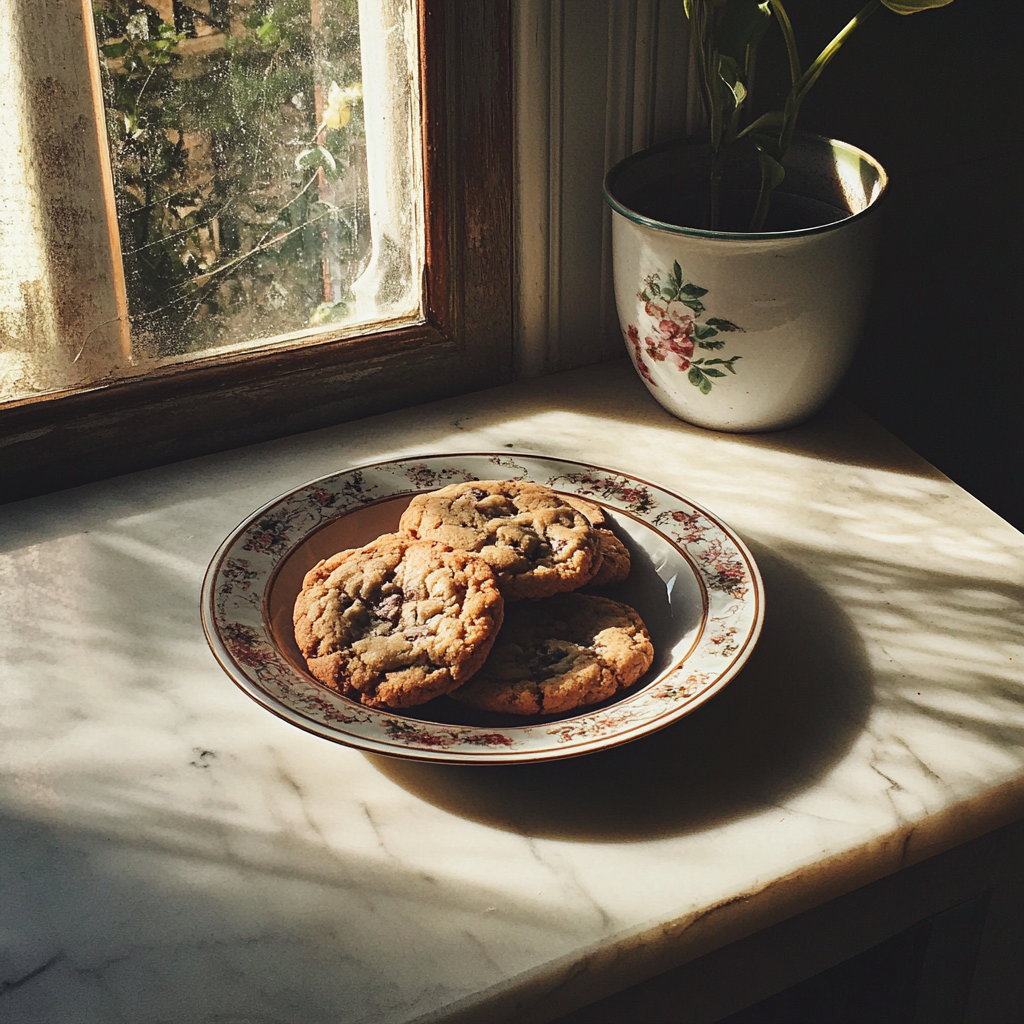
476	596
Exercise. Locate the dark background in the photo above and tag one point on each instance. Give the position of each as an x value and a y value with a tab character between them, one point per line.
936	97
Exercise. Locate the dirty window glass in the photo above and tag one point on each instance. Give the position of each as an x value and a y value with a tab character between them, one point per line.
238	141
265	175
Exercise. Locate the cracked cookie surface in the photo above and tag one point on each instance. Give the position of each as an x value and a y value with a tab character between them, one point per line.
397	622
536	543
614	563
558	654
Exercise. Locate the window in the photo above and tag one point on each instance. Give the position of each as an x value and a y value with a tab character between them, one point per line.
199	387
265	186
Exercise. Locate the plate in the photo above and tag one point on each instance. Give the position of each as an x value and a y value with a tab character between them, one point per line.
693	581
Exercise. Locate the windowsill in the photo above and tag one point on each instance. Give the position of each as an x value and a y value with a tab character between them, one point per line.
199	857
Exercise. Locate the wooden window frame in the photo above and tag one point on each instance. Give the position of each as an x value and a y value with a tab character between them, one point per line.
465	344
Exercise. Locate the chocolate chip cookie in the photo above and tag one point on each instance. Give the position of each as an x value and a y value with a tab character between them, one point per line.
397	622
614	562
561	653
536	543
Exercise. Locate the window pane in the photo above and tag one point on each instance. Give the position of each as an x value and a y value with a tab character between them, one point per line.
265	171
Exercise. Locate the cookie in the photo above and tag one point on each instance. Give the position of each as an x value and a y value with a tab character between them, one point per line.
561	653
537	544
615	561
594	513
614	564
397	622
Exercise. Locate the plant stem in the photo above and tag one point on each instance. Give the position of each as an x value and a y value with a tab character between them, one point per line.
787	33
710	91
697	48
716	192
717	148
810	76
764	199
801	86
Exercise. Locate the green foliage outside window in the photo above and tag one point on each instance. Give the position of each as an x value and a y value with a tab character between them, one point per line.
237	144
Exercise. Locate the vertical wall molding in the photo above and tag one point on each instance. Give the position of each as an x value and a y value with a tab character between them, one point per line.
594	82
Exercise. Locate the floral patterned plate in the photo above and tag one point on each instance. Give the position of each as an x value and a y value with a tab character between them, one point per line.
693	581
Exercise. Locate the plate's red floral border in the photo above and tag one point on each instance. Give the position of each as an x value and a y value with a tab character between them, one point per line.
234	591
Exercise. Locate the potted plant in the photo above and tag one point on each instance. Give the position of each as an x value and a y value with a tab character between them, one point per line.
742	261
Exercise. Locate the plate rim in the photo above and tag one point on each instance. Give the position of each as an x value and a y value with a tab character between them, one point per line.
484	755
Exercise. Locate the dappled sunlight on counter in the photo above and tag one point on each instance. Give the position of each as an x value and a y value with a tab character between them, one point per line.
170	850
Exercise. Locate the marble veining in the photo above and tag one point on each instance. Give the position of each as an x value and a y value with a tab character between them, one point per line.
170	852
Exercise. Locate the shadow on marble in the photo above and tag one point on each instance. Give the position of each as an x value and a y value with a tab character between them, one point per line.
841	433
156	915
791	713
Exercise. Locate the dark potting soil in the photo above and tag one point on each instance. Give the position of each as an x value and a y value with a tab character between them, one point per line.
786	213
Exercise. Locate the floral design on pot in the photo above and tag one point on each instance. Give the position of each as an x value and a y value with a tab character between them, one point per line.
674	306
790	300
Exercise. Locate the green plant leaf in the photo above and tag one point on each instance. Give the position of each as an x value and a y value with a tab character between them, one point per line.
698	380
722	325
316	156
677	273
768	139
769	125
329	313
742	23
729	72
115	49
713	345
268	33
913	6
695	304
815	68
772	171
713	373
702	332
692	291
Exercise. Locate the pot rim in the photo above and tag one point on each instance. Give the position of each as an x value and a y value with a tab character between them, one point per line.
610	181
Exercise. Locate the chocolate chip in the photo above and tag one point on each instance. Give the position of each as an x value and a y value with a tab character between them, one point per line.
548	655
389	608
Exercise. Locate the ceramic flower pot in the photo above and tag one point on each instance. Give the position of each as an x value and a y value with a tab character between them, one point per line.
735	330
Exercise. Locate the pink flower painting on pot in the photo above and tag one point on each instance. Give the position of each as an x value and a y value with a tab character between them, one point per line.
673	306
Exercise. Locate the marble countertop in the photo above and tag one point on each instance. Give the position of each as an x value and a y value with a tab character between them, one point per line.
171	852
